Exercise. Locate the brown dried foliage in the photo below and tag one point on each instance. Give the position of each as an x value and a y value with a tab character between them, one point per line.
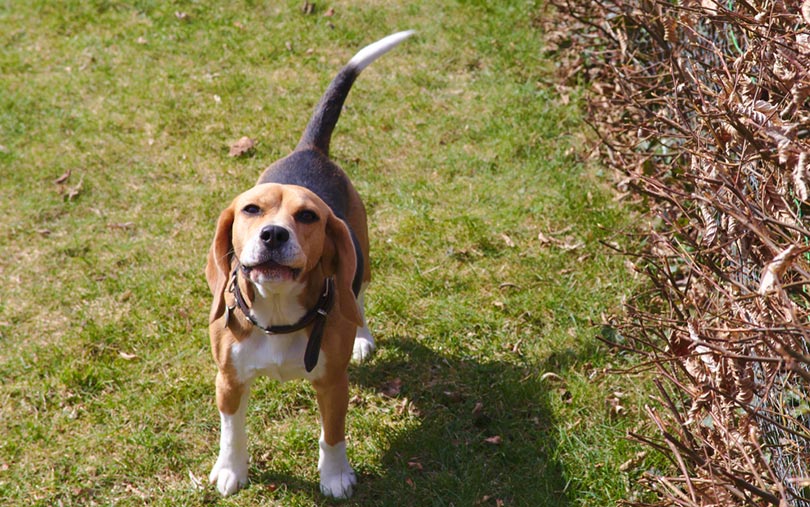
702	106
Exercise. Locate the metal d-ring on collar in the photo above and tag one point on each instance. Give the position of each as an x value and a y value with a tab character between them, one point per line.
315	316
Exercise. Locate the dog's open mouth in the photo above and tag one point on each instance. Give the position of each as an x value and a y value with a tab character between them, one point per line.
270	271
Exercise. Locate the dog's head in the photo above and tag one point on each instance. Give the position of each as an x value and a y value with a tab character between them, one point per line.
279	234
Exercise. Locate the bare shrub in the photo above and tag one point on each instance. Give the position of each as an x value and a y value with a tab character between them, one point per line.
703	107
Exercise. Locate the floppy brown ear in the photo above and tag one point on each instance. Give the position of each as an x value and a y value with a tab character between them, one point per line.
217	270
345	263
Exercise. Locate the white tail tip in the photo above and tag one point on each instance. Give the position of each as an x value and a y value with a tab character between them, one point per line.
375	50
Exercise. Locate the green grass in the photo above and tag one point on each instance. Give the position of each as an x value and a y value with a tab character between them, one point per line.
463	158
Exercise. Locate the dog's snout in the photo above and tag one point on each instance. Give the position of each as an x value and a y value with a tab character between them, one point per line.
273	236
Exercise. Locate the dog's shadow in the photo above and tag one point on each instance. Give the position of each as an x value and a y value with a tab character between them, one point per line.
473	432
480	432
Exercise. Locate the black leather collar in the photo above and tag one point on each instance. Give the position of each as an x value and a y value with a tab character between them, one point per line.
316	316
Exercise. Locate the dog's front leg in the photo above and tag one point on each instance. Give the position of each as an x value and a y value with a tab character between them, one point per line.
337	476
231	469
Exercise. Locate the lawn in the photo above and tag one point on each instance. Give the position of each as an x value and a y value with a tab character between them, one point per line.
490	279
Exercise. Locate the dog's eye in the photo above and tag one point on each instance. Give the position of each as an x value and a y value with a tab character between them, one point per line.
306	216
251	209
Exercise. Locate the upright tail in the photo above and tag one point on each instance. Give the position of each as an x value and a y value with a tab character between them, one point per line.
318	133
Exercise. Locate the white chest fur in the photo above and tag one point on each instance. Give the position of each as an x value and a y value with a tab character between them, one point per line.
280	357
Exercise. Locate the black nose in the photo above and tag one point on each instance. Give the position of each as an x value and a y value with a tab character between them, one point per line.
273	236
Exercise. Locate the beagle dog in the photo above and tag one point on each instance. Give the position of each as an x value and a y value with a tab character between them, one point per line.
287	269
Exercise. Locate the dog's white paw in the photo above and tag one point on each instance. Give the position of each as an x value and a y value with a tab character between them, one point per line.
339	485
337	476
229	477
363	348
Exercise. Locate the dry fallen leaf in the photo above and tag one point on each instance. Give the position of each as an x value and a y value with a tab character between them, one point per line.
197	484
62	178
568	243
403	407
571	244
242	147
486	498
121	226
392	388
615	406
552	376
75	190
633	462
454	396
414	464
508	240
